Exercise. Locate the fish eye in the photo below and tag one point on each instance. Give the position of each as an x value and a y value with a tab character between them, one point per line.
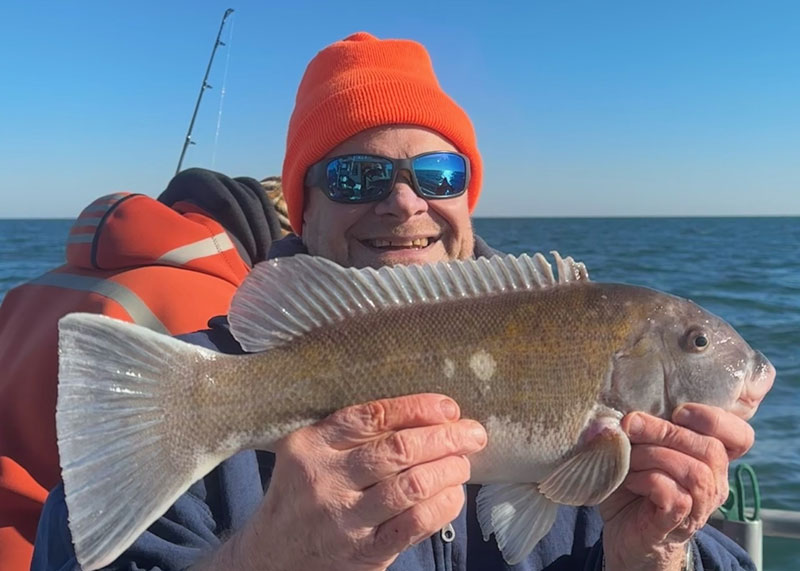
696	340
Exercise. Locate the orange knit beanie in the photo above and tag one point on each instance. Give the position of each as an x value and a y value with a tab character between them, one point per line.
363	82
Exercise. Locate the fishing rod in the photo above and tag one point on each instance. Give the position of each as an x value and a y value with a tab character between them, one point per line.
203	87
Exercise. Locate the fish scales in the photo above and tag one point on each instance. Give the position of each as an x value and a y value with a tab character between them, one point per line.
548	365
551	350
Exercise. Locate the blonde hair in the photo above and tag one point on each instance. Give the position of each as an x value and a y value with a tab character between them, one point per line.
274	190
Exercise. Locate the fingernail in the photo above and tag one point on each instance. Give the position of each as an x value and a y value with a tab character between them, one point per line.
682	415
635	425
478	434
449	409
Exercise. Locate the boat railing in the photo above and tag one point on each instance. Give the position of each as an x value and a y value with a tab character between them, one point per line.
749	534
743	519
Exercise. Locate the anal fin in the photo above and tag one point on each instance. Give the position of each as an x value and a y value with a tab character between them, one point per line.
517	514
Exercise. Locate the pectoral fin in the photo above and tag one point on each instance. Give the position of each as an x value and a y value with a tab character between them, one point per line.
588	477
517	514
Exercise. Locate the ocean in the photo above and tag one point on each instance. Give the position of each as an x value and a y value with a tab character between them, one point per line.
746	270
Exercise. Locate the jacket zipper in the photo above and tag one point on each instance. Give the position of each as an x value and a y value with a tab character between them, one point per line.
447	535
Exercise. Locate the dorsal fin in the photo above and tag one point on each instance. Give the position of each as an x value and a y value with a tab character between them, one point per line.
286	297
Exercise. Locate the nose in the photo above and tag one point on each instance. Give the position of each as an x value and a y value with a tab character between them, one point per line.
402	201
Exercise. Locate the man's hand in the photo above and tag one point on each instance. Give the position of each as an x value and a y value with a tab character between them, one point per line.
678	477
354	490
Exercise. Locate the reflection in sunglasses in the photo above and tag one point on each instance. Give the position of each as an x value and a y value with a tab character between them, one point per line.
356	178
440	182
365	178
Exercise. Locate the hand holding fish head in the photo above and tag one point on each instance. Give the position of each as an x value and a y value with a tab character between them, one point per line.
678	477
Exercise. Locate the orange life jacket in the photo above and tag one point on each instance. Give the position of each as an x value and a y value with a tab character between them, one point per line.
130	257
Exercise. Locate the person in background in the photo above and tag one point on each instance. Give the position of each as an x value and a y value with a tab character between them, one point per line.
381	485
169	264
272	186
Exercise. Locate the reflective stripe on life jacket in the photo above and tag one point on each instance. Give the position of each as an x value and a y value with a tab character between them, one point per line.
203	248
93	214
82	238
130	302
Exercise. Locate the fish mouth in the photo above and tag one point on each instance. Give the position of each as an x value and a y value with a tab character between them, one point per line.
760	381
395	243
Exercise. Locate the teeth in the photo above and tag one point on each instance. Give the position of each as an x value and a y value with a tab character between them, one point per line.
416	243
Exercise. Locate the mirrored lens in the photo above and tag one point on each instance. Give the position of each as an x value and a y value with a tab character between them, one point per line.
441	174
358	178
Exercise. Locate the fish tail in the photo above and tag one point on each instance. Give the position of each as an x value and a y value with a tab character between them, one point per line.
122	466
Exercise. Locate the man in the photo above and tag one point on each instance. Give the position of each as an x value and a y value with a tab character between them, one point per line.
380	485
169	264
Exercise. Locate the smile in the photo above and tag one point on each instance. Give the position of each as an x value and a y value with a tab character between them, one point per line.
399	243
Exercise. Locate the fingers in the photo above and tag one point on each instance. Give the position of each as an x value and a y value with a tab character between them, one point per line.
682	472
393	496
669	507
733	432
697	488
354	425
397	451
370	480
419	522
696	450
645	429
678	476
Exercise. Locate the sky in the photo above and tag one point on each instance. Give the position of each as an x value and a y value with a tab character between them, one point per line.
658	108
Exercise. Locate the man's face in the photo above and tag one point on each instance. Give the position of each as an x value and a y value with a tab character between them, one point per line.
403	228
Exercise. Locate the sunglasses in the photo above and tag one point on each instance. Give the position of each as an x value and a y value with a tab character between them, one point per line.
369	178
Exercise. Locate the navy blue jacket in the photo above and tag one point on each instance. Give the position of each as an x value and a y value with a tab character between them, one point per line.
222	502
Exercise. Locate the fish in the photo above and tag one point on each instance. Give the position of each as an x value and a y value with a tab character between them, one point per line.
548	362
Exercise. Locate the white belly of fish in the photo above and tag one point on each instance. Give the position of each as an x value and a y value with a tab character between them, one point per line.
518	452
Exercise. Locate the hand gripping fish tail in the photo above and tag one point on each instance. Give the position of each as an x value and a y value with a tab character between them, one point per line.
547	362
